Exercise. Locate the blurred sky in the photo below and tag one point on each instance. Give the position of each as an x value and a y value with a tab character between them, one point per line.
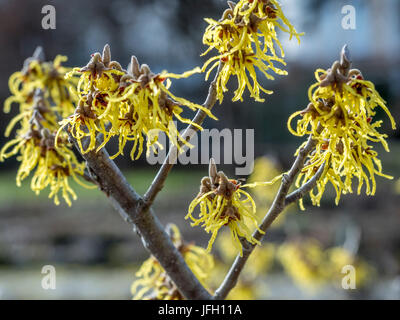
163	31
376	33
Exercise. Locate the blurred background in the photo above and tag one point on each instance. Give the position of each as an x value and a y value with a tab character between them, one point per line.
96	253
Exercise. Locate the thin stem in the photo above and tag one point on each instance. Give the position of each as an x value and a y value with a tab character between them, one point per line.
276	208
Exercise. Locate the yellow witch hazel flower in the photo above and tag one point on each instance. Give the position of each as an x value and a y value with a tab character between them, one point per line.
223	202
35	146
48	76
340	117
245	38
132	105
153	282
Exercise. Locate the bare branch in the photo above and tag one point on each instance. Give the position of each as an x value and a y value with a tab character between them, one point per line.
159	180
132	209
276	208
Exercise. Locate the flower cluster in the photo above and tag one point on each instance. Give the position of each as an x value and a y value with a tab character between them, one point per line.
153	282
42	94
35	145
132	105
47	76
223	202
341	118
245	38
